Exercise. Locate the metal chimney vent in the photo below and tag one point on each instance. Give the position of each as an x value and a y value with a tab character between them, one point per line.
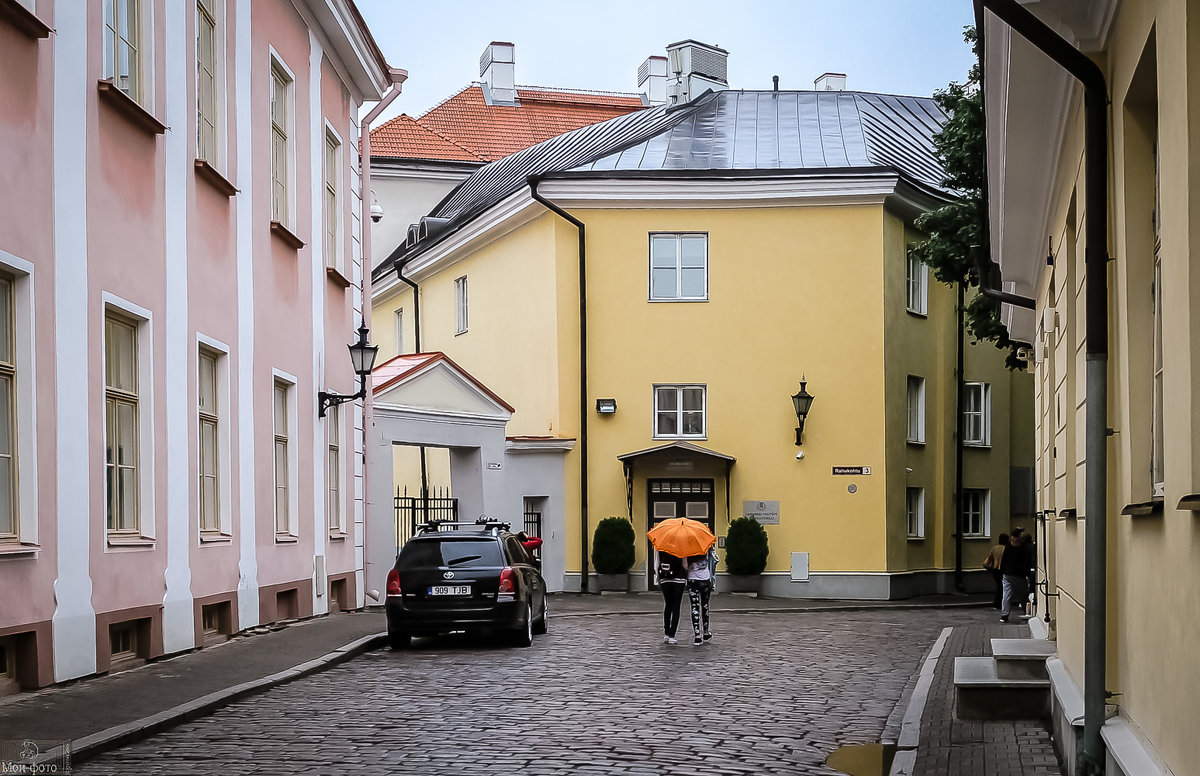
710	63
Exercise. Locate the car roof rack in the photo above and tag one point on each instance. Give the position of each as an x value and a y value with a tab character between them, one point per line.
486	524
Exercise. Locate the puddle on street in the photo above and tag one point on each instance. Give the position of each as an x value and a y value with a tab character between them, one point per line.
863	759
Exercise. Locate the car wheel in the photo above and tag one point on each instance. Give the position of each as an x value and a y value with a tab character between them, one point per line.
398	640
524	635
539	625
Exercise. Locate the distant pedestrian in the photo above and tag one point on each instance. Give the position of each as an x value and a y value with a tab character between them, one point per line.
531	544
672	579
1014	569
1029	548
699	584
991	562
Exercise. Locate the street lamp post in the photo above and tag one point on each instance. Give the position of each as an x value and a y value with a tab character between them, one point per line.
362	358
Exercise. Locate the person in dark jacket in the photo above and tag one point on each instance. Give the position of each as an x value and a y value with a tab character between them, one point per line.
672	579
1014	570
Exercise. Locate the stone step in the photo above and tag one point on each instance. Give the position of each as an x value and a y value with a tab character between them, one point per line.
979	693
1022	658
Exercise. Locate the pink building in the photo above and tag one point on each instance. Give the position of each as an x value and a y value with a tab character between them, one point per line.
181	270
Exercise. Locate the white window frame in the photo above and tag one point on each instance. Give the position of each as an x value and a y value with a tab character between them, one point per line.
982	393
1158	477
224	531
983	509
678	269
915	393
10	529
916	283
140	318
283	190
138	83
460	305
399	322
914	509
332	200
678	411
215	156
287	526
333	472
24	443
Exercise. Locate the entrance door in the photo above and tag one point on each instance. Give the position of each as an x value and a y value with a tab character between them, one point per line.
692	498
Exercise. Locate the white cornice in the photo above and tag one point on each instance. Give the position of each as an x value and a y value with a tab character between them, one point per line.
342	33
395	411
523	446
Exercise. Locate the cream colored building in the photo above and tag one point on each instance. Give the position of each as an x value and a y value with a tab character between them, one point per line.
1134	400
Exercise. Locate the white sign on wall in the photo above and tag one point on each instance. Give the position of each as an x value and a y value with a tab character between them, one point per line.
765	512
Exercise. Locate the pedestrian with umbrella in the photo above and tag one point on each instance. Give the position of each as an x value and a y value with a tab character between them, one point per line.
672	579
680	537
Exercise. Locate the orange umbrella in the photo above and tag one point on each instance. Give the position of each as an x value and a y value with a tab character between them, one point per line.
681	537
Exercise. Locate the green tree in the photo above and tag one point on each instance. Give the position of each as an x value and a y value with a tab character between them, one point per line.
959	228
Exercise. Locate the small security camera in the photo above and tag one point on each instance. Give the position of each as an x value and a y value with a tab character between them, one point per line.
800	455
1023	354
376	212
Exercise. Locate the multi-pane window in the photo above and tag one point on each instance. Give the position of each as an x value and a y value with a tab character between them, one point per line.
208	410
679	410
334	472
206	80
678	266
122	39
281	96
283	523
916	409
977	414
399	331
976	509
9	517
460	305
332	155
917	283
121	423
915	510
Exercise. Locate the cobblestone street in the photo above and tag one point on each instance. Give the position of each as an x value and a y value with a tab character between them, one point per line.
772	694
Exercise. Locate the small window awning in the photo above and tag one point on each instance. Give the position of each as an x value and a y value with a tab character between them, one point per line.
679	446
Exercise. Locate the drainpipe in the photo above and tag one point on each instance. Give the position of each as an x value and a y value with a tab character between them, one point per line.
396	77
959	384
583	384
1075	62
417	343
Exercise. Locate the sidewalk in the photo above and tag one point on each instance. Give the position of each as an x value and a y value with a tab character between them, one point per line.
105	712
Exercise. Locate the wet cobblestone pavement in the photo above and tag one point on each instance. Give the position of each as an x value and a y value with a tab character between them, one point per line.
772	694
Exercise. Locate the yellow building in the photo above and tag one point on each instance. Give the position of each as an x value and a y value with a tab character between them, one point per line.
1095	151
718	252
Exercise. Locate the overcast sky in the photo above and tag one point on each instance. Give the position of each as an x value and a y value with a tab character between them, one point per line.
894	46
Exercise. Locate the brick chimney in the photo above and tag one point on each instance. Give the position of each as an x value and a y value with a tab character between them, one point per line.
497	68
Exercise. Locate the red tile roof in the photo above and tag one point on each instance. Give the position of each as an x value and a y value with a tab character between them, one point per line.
466	128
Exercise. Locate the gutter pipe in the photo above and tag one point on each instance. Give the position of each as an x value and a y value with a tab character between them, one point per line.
533	181
417	349
396	78
1091	757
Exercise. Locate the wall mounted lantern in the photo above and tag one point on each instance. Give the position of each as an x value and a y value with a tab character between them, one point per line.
606	406
362	357
801	401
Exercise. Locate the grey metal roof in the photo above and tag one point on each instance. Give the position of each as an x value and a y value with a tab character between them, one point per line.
719	132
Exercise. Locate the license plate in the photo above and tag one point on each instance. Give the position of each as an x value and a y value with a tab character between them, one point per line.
450	590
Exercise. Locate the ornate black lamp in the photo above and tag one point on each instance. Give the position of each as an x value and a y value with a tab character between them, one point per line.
801	401
362	357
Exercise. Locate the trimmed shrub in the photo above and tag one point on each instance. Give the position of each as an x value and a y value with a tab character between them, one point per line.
746	547
612	546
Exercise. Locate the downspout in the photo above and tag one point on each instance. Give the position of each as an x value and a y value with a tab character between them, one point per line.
583	384
396	79
959	384
1087	72
417	349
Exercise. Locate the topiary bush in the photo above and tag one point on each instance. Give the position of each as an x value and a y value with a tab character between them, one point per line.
612	546
746	547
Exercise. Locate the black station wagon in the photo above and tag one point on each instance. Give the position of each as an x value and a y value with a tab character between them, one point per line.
472	577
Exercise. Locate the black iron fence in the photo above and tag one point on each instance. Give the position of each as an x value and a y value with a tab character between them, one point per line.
435	507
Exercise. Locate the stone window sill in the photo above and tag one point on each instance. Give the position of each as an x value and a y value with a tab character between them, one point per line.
207	172
286	539
1151	508
23	19
216	538
286	235
1190	502
131	540
338	536
18	550
129	108
337	278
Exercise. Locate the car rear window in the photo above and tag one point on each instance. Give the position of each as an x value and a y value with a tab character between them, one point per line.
455	553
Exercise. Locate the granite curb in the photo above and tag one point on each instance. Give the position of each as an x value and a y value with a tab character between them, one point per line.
119	735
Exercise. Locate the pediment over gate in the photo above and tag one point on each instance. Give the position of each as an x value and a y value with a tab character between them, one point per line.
432	382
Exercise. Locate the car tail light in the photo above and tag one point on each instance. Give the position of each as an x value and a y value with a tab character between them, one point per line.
393	582
508	585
